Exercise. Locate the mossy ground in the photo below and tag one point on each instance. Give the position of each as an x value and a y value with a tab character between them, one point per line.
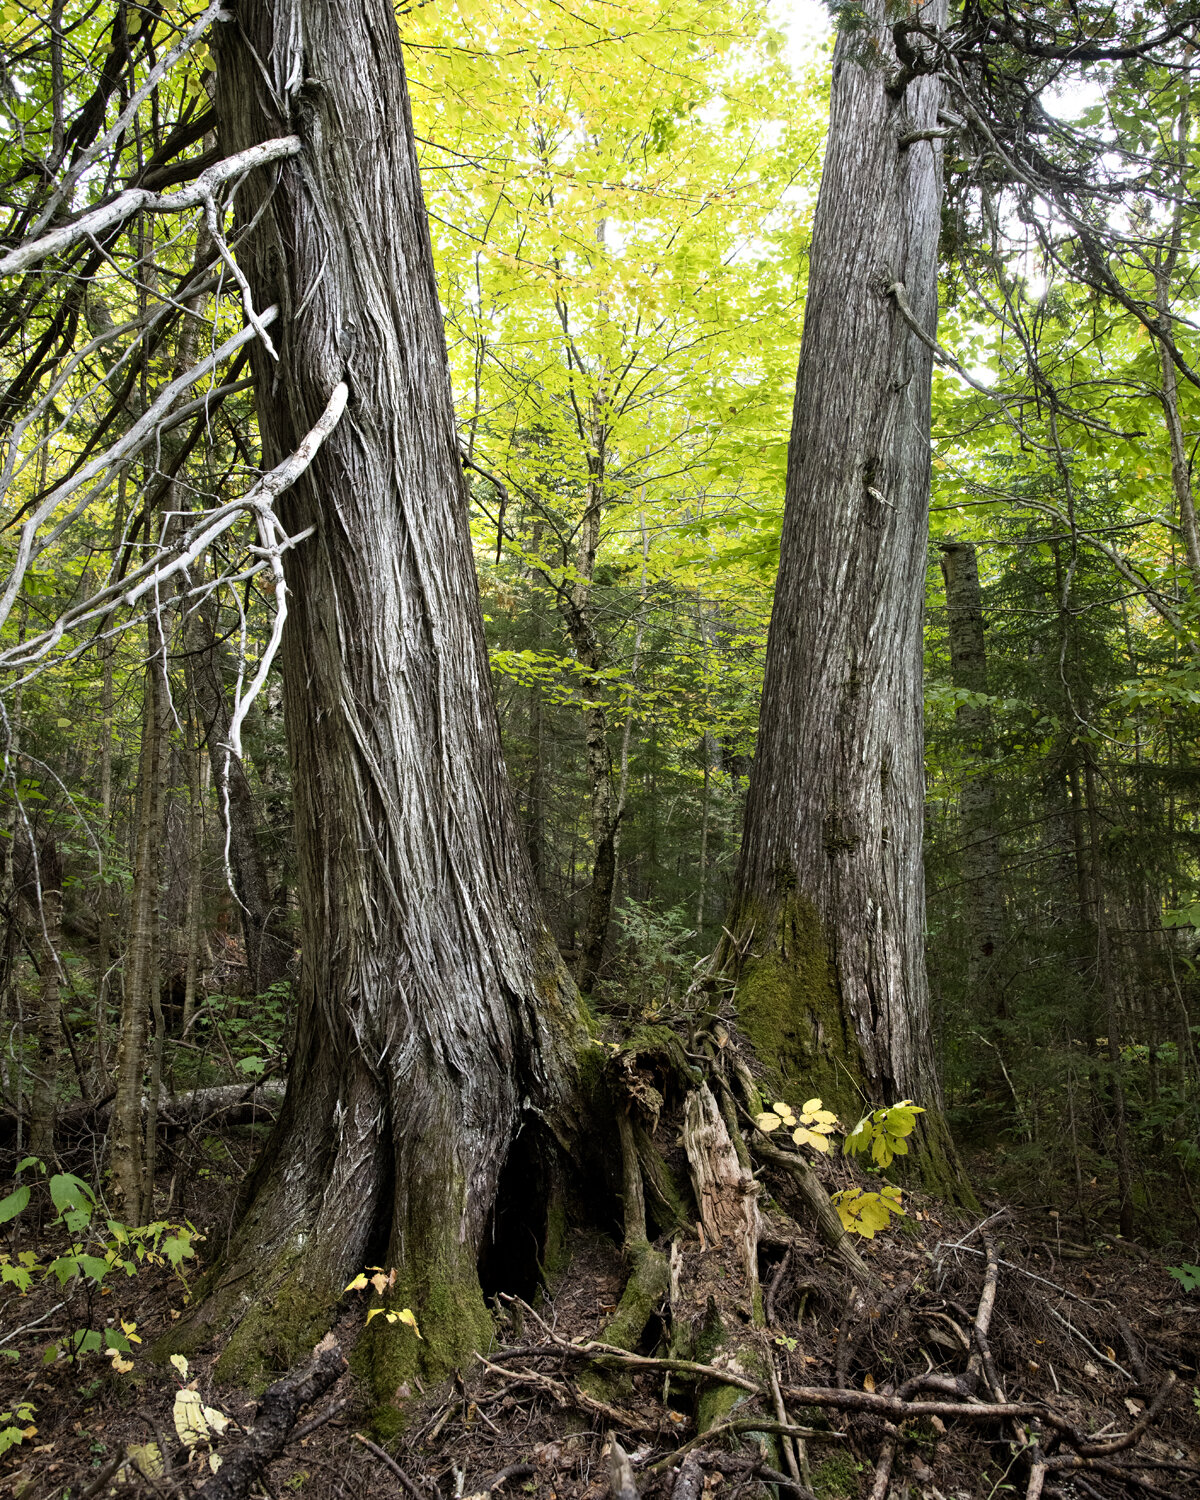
836	1478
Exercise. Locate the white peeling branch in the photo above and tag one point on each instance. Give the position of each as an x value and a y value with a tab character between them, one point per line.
140	200
259	500
100	470
275	540
103	145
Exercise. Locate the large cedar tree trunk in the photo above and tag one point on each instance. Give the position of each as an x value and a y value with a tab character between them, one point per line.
434	1018
828	930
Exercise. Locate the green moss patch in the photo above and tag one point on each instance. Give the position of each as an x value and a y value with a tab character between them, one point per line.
789	1007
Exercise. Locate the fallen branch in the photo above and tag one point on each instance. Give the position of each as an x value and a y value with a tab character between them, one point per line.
569	1395
745	1424
386	1458
224	1105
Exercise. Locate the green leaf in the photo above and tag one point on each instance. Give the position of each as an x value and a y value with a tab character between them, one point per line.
1187	1276
11	1206
70	1192
18	1276
177	1248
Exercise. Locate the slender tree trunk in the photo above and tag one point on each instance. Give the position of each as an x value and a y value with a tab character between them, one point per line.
575	606
130	1161
535	794
434	1018
106	891
10	955
830	888
981	867
268	951
193	921
1110	992
45	926
1181	472
1181	469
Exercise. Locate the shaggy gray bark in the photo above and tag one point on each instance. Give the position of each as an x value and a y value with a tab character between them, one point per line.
834	819
434	1016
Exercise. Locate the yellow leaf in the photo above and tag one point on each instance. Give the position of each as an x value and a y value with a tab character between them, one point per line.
781	1108
147	1459
217	1420
803	1137
868	1381
810	1105
767	1121
379	1281
408	1317
374	1313
359	1283
188	1414
122	1366
181	1365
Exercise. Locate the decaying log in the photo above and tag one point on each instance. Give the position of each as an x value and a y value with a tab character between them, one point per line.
215	1108
621	1483
277	1414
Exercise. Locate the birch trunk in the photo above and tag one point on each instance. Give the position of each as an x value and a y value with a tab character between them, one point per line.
830	892
434	1018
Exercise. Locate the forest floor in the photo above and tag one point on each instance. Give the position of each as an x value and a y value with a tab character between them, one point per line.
1091	1327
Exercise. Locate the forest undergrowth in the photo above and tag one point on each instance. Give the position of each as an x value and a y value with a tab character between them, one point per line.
700	1328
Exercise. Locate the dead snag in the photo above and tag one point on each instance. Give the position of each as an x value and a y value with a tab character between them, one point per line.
725	1190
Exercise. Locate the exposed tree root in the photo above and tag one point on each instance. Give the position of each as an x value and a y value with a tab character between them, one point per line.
707	1307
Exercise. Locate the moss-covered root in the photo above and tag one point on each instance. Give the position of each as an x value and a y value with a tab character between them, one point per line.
645	1292
648	1287
716	1401
649	1280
